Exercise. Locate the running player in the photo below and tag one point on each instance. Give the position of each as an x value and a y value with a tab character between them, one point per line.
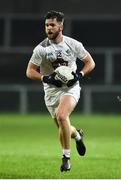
54	51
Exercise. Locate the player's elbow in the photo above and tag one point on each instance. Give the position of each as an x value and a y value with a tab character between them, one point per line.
93	65
89	62
28	74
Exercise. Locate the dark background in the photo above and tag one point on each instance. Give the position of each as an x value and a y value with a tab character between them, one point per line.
97	24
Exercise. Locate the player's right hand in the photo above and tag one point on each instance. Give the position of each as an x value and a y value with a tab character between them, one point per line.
50	79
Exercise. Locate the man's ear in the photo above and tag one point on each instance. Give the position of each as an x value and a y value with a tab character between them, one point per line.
61	27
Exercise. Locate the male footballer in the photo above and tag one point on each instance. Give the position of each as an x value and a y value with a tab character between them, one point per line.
54	51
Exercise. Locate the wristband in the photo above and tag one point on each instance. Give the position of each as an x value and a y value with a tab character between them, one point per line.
42	77
82	73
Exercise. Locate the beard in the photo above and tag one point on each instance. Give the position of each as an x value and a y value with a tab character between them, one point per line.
53	36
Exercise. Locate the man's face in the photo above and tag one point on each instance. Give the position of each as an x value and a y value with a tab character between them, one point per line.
52	28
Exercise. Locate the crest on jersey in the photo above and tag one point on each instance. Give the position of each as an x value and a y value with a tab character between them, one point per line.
59	61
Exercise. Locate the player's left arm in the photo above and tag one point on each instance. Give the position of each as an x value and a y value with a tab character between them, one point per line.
89	64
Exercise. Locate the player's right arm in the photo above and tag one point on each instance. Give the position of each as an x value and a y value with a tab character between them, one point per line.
33	66
35	63
32	72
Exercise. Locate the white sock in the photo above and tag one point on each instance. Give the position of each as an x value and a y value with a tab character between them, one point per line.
66	152
77	137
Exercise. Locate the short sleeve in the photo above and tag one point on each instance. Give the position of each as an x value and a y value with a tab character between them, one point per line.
38	55
80	50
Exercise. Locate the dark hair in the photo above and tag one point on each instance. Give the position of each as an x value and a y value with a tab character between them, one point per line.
55	14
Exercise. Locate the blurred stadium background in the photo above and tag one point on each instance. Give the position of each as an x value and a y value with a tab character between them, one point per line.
97	24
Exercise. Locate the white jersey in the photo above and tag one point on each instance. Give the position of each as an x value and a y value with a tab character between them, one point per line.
48	56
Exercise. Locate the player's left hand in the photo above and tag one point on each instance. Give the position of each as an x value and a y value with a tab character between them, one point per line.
50	79
77	77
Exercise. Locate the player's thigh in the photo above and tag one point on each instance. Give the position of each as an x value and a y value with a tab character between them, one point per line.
66	105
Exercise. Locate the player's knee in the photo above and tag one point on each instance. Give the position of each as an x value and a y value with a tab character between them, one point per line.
60	117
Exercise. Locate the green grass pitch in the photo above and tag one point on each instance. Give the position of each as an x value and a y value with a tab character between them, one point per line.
30	149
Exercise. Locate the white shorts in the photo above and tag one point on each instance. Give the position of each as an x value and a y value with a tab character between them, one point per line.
53	95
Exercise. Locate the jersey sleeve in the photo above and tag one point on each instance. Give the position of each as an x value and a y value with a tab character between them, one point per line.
38	55
81	52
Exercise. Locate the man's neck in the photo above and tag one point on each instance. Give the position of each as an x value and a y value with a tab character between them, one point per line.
58	40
